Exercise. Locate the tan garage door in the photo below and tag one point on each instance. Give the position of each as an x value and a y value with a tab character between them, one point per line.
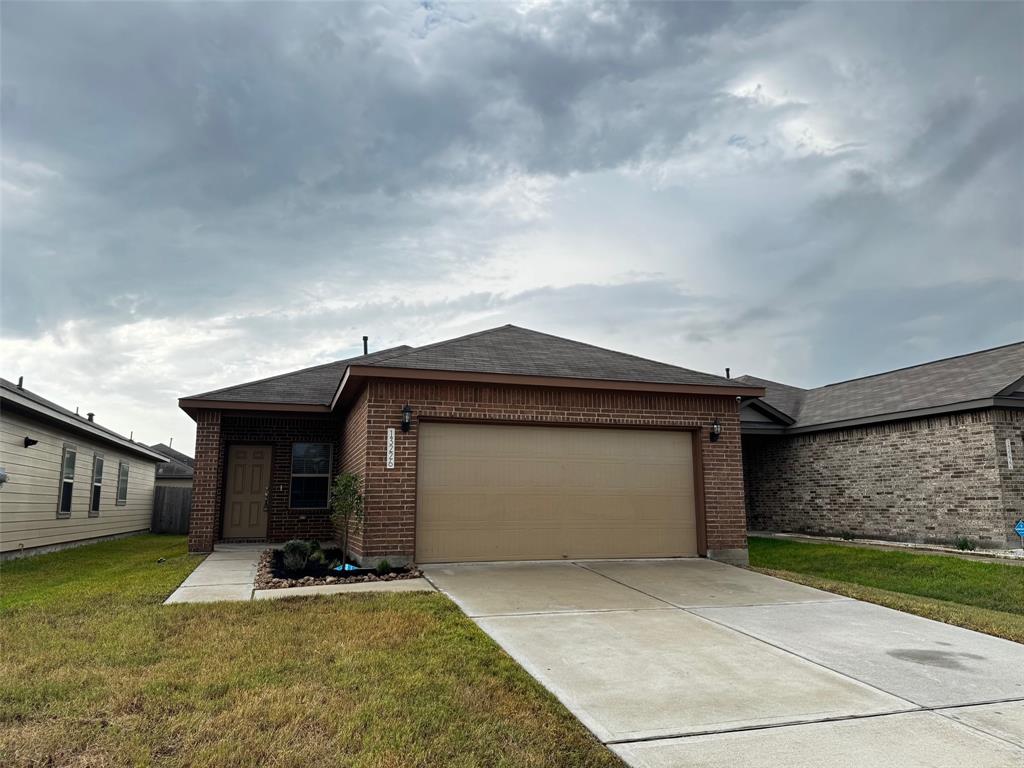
544	493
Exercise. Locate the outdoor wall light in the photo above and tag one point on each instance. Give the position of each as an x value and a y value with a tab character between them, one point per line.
406	418
29	442
716	430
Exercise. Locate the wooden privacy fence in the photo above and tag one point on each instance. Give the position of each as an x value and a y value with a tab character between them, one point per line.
171	509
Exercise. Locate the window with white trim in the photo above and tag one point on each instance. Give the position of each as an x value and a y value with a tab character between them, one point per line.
67	480
311	475
122	483
97	484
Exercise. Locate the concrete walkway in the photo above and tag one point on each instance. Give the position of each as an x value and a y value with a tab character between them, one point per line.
228	574
692	662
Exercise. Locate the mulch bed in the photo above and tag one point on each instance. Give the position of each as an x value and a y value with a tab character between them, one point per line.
269	576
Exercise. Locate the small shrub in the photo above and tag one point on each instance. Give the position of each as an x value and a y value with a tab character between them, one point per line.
383	567
317	556
295	555
964	544
847	536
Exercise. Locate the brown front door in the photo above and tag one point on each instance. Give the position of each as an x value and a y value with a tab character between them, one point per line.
245	504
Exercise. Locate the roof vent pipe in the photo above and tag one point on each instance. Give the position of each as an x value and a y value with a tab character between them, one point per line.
727	374
21	381
366	347
90	416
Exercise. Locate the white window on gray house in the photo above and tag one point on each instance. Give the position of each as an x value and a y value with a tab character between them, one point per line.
311	475
97	484
122	483
67	480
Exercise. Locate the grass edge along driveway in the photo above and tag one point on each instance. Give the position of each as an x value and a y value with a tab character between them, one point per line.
97	672
986	597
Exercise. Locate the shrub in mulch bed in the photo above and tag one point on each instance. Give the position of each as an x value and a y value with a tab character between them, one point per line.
271	573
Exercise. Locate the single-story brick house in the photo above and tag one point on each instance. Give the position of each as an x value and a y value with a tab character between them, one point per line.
923	454
506	444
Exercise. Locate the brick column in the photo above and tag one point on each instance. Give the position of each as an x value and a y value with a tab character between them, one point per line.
206	482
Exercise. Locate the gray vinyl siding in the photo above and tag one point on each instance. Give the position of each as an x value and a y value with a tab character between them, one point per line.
28	500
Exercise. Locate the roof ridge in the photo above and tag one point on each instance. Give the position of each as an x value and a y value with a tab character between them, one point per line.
920	365
450	341
617	352
346	360
560	339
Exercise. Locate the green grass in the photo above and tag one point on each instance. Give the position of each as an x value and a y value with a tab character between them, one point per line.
987	597
97	673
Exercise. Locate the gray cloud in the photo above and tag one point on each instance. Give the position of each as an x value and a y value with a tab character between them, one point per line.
195	194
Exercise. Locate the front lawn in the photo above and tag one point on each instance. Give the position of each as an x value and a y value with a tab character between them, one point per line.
988	597
96	672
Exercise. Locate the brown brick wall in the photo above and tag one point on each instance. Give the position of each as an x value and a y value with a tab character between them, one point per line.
390	528
353	459
280	431
925	480
204	523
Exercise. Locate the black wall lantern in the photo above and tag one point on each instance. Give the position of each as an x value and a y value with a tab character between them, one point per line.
716	430
29	442
406	418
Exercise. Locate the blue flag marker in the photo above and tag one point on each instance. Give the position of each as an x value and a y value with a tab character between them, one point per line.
1019	528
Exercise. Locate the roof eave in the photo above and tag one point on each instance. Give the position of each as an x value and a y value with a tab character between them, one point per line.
190	404
917	413
771	411
82	427
357	373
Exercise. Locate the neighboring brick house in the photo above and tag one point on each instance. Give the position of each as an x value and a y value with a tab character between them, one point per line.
923	454
502	445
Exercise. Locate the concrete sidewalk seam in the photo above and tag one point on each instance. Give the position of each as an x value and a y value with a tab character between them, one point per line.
768	726
691	612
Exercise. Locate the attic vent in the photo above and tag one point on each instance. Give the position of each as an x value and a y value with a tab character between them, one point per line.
90	416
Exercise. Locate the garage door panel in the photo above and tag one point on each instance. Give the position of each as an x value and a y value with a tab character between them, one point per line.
512	492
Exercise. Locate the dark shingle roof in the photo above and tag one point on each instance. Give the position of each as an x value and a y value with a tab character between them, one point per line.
309	386
955	380
519	351
178	464
166	450
79	423
781	397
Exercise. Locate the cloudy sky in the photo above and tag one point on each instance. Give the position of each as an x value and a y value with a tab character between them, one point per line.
196	195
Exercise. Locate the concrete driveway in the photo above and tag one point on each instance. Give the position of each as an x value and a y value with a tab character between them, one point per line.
692	662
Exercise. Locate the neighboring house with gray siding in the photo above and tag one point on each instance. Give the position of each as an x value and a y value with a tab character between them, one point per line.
923	454
177	471
68	479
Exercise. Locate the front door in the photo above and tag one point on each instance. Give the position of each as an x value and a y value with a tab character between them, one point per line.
245	504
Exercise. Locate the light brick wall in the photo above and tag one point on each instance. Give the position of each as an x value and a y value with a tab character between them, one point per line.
390	528
925	480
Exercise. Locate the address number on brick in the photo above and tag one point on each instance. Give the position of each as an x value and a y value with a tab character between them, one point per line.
391	448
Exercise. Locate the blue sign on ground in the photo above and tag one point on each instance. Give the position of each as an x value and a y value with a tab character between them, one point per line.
1019	527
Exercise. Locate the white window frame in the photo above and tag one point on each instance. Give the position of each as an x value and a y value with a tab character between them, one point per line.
293	474
96	487
72	450
122	467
